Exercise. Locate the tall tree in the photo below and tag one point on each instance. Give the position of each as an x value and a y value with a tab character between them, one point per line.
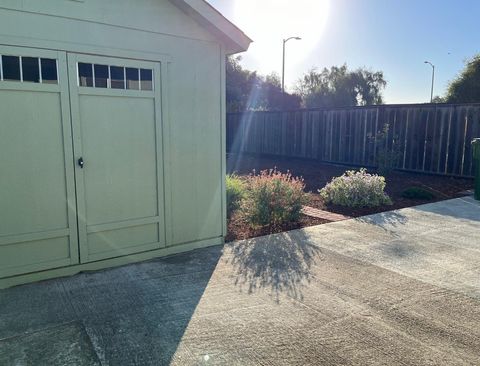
248	91
465	88
275	98
339	87
241	84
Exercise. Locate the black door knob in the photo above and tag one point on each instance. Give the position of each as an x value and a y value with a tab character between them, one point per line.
81	163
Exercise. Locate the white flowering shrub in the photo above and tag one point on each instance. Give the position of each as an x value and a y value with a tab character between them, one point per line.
356	189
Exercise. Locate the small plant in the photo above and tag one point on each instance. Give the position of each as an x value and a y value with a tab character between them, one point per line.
356	189
236	190
387	158
418	193
273	198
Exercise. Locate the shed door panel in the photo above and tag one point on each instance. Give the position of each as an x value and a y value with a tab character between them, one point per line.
119	148
117	135
37	203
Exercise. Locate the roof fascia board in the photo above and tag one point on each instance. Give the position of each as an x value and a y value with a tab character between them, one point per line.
205	14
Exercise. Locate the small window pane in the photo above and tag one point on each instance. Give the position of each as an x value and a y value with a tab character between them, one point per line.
11	67
101	76
132	78
49	71
30	69
118	77
85	74
146	77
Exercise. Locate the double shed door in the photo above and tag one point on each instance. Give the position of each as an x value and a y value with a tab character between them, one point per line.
80	156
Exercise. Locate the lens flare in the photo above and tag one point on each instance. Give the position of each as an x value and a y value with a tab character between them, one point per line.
267	22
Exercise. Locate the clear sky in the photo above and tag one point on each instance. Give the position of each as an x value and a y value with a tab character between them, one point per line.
394	36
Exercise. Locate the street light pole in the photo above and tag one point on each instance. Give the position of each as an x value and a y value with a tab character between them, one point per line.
433	79
283	63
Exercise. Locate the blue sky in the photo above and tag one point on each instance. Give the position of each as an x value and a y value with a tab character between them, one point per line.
393	36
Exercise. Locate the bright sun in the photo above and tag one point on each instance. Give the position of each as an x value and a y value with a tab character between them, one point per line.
267	22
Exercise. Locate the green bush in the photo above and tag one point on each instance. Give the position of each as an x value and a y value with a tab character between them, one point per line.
388	151
236	190
273	198
417	193
356	189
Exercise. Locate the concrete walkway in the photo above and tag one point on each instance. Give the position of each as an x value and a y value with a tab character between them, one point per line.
437	243
395	288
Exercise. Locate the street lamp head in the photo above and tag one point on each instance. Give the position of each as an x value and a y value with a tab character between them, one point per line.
289	38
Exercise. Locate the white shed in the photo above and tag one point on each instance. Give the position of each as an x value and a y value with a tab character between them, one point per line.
112	132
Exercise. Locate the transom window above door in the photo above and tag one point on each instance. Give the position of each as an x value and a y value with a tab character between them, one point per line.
114	77
28	69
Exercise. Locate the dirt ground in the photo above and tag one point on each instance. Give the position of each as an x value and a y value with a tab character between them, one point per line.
317	175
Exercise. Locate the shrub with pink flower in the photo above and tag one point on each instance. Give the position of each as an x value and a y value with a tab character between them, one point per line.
356	189
273	198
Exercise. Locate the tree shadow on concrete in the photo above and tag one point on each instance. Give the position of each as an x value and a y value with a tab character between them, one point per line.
280	263
464	208
399	249
388	221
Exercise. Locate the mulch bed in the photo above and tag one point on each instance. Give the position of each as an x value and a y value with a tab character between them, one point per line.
317	175
239	229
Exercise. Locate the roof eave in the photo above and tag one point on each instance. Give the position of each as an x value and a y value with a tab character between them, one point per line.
232	37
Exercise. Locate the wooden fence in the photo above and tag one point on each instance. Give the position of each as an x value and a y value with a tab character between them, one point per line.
433	138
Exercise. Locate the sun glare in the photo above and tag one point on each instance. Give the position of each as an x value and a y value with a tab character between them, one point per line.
267	22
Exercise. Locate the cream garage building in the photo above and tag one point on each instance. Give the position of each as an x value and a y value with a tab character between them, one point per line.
112	132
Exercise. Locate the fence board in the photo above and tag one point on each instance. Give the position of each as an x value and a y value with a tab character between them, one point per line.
432	138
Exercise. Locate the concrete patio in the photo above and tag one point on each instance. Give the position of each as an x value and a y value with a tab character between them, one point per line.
395	288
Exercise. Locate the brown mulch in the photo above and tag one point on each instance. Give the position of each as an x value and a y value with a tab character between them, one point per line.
238	229
442	187
317	175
